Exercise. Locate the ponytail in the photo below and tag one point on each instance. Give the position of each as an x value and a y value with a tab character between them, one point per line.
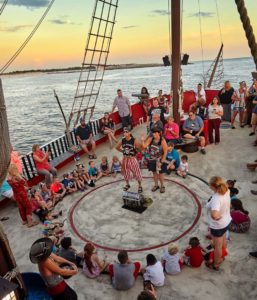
219	185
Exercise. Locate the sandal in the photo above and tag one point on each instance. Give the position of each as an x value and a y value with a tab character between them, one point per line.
162	189
155	188
212	267
126	187
140	190
32	224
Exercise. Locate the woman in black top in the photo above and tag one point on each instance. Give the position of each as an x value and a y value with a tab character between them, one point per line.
144	99
107	127
158	151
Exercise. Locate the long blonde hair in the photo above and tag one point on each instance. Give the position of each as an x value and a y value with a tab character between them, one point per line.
219	185
14	172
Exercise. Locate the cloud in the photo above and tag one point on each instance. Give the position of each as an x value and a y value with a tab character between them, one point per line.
160	12
14	28
62	21
30	3
129	27
204	14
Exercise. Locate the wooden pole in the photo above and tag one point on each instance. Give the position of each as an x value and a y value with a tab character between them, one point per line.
176	56
5	146
215	67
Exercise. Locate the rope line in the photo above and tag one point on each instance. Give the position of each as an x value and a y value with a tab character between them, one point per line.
218	15
201	37
9	62
3	6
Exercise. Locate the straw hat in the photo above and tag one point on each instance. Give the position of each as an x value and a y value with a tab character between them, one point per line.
40	250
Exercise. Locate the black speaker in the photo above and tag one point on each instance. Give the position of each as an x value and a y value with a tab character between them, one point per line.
166	61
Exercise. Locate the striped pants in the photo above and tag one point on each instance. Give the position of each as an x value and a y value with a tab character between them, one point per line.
131	169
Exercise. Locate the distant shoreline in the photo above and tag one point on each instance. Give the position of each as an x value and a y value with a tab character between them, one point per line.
77	69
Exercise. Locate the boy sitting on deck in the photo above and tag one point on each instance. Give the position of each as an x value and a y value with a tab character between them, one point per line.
57	189
172	158
193	255
69	183
93	173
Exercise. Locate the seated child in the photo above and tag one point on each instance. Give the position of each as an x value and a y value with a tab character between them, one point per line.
69	183
82	173
193	255
153	271
209	256
172	158
116	166
68	252
201	110
183	167
104	166
93	173
240	217
57	189
80	183
93	266
46	193
171	260
233	191
51	228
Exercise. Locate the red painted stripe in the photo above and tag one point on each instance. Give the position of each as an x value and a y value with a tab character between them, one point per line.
199	211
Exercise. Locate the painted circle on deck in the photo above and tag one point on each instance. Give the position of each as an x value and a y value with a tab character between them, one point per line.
116	221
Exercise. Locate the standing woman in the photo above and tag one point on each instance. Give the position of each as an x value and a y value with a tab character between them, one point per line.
144	98
215	112
42	165
49	265
238	106
218	211
107	127
20	191
158	151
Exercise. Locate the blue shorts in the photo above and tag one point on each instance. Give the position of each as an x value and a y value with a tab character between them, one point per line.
219	232
239	109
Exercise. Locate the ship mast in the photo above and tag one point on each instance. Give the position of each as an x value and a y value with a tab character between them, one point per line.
248	29
176	55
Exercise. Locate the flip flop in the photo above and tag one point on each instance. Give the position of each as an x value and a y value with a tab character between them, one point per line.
126	187
212	267
4	219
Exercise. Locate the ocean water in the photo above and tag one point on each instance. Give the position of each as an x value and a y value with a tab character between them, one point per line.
34	115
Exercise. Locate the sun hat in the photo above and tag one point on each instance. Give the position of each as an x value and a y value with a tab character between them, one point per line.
40	250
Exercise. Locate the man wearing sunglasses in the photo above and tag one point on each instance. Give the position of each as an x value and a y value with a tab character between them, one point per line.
193	129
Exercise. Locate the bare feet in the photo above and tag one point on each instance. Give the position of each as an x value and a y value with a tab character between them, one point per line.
31	224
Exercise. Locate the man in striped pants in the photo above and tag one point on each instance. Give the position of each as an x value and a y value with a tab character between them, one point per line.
131	169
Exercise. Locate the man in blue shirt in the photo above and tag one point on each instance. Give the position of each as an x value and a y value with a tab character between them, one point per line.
193	129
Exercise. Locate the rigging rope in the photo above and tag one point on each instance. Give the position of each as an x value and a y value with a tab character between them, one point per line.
218	15
201	36
9	62
3	6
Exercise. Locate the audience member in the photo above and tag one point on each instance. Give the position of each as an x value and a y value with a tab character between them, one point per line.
240	217
215	112
183	168
155	109
171	260
124	109
42	165
107	127
57	189
225	95
6	190
104	166
153	271
172	159
68	252
124	274
193	255
171	131
116	166
238	106
69	184
144	99
193	128
85	138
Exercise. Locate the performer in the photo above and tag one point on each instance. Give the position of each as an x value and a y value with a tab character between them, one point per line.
158	151
130	165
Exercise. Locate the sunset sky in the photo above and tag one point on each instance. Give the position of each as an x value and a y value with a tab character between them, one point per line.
141	34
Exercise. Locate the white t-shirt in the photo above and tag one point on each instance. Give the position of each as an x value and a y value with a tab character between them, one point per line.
213	110
200	94
155	274
171	263
183	167
219	203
